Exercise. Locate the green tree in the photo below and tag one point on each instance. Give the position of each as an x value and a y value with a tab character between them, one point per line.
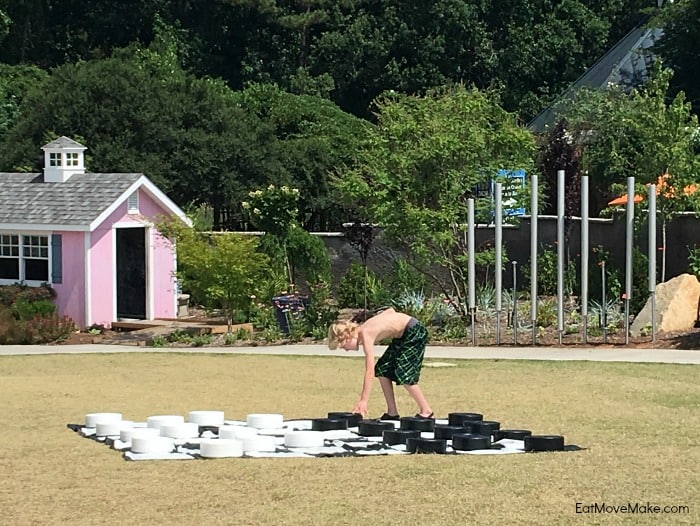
644	135
50	34
353	50
420	165
140	112
224	271
678	45
5	23
313	138
15	83
274	211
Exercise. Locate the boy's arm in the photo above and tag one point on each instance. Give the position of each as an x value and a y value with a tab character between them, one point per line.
368	348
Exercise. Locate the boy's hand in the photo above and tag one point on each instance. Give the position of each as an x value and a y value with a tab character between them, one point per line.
361	408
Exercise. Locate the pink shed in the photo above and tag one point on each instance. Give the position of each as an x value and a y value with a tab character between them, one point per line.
92	237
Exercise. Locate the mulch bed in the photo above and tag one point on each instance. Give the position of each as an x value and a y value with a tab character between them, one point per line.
548	338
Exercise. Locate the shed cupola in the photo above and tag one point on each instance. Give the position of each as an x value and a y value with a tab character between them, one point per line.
63	158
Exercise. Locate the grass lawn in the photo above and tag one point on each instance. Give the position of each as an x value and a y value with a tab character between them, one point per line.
639	423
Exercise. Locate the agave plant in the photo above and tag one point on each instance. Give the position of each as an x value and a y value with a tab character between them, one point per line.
486	298
410	302
440	310
611	314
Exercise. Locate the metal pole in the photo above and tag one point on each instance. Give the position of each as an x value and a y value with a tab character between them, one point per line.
498	223
560	253
515	303
652	258
628	254
584	256
603	315
472	278
533	256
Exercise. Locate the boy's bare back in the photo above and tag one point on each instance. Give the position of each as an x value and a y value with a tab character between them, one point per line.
386	324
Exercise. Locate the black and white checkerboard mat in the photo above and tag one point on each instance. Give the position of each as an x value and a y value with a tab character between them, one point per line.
335	443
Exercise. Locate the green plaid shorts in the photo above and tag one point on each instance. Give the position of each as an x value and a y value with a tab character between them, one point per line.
403	359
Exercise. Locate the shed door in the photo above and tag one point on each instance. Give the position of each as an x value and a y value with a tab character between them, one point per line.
131	273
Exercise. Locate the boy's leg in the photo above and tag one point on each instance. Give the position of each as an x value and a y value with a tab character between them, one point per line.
410	363
419	398
388	390
384	371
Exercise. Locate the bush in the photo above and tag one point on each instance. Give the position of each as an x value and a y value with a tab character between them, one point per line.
547	273
351	290
308	257
547	312
41	328
11	294
28	316
694	261
319	312
25	310
640	280
613	284
402	277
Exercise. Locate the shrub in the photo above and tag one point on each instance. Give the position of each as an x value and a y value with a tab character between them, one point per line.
613	286
547	312
26	310
28	316
640	280
455	329
158	341
11	294
262	316
319	312
38	329
485	300
485	262
402	277
351	290
410	302
547	273
694	261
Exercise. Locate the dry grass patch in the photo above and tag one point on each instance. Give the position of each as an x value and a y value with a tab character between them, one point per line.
638	421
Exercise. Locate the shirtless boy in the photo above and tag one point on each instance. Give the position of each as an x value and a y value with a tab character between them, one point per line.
401	363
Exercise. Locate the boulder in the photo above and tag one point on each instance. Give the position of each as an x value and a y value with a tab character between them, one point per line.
677	302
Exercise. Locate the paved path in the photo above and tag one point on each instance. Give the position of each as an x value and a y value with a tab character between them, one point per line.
441	352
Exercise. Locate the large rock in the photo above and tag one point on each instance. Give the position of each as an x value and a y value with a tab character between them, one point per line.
677	302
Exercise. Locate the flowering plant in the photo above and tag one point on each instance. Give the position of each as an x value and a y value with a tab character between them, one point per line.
274	210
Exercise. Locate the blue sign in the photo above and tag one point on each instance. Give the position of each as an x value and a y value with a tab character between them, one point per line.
512	181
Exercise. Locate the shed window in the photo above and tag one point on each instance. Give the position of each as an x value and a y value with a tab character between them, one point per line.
55	159
9	257
71	159
24	258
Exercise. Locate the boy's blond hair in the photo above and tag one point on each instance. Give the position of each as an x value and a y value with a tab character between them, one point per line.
338	331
